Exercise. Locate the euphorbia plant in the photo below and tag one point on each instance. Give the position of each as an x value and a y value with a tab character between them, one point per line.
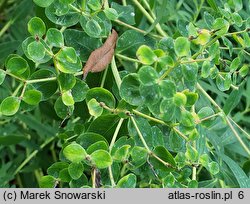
158	116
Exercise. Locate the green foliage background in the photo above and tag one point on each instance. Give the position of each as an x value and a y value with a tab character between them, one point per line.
172	109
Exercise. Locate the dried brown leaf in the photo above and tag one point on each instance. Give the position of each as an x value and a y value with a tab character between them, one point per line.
102	56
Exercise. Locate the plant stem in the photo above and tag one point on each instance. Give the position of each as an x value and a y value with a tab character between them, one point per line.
151	20
32	155
149	117
247	134
209	117
180	133
237	136
237	32
14	76
168	71
6	27
140	135
124	2
115	134
194	170
205	46
17	89
137	29
127	58
195	60
110	149
226	118
116	73
104	77
93	177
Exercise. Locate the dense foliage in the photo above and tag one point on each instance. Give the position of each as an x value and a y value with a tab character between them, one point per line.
171	110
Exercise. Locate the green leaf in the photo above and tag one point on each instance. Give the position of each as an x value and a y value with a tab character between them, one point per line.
238	5
101	95
79	183
169	181
209	19
105	125
158	137
233	100
204	160
30	40
182	46
224	81
146	55
151	94
101	159
47	88
82	43
36	27
168	88
32	97
221	25
128	181
191	153
145	129
95	5
180	99
12	139
55	168
66	81
126	13
235	64
148	75
76	170
61	109
237	19
213	168
59	14
17	65
97	146
64	175
139	156
193	184
67	1
10	105
194	135
111	13
67	54
165	155
244	70
36	51
130	41
241	177
203	37
43	3
67	98
66	66
187	119
94	108
2	76
91	27
79	91
192	97
121	154
205	70
74	152
129	90
47	182
167	109
190	71
54	38
89	138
